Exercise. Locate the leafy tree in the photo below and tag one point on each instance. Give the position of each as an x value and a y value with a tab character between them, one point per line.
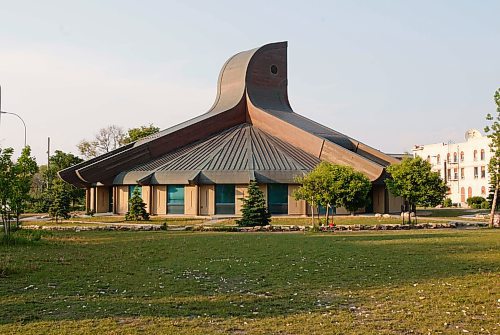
137	208
43	180
331	185
254	210
23	171
493	132
355	187
413	180
60	203
6	179
135	134
106	140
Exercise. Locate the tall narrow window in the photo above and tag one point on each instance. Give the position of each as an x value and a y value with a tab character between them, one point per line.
483	190
449	174
131	189
438	159
455	173
475	155
455	157
483	171
175	199
448	158
469	192
224	198
277	198
462	194
462	173
482	155
476	172
462	156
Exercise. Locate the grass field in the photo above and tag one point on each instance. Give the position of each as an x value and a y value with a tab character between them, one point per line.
397	282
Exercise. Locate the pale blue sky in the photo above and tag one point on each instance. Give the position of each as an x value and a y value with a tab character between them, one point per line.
388	73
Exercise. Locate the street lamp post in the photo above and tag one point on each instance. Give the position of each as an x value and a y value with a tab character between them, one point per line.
20	118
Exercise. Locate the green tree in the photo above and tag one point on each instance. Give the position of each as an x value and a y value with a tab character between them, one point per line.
6	181
135	134
137	208
60	203
354	189
59	161
254	210
23	171
413	180
331	185
493	132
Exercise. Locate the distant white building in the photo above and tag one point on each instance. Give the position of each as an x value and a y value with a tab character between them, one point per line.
464	166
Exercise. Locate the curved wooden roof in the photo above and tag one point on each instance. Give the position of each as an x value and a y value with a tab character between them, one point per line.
251	90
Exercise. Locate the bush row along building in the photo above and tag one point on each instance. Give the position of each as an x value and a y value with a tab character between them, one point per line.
203	166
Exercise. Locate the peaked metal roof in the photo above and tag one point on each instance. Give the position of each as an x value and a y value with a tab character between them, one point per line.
252	89
235	155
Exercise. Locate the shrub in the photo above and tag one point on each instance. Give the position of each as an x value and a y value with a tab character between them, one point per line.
485	205
475	202
137	211
254	209
447	202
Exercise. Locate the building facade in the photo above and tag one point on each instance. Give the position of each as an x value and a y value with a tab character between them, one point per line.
203	166
464	166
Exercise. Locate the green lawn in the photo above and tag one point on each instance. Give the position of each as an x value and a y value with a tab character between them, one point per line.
396	282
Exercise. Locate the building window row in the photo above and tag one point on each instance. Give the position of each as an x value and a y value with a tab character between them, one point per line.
482	156
469	193
225	198
452	174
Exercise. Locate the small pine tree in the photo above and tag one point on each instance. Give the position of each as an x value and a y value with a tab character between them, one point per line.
60	205
137	208
254	209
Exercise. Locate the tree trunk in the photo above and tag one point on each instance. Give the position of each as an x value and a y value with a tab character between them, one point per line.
410	206
326	214
312	212
493	206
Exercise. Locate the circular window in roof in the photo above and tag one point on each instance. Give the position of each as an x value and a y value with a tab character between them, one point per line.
274	69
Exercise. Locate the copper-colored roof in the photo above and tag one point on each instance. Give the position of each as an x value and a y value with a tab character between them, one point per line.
238	154
252	90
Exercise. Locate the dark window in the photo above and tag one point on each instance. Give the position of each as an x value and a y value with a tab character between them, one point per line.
175	199
224	199
274	69
131	190
277	198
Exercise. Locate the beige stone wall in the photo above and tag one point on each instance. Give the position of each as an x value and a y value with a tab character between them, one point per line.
395	204
295	207
378	199
191	200
159	203
263	188
343	211
207	199
146	197
240	193
121	199
102	199
92	199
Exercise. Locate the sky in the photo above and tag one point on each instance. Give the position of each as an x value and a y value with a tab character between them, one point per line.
391	74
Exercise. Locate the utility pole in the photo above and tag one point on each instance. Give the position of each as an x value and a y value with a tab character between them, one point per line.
48	162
